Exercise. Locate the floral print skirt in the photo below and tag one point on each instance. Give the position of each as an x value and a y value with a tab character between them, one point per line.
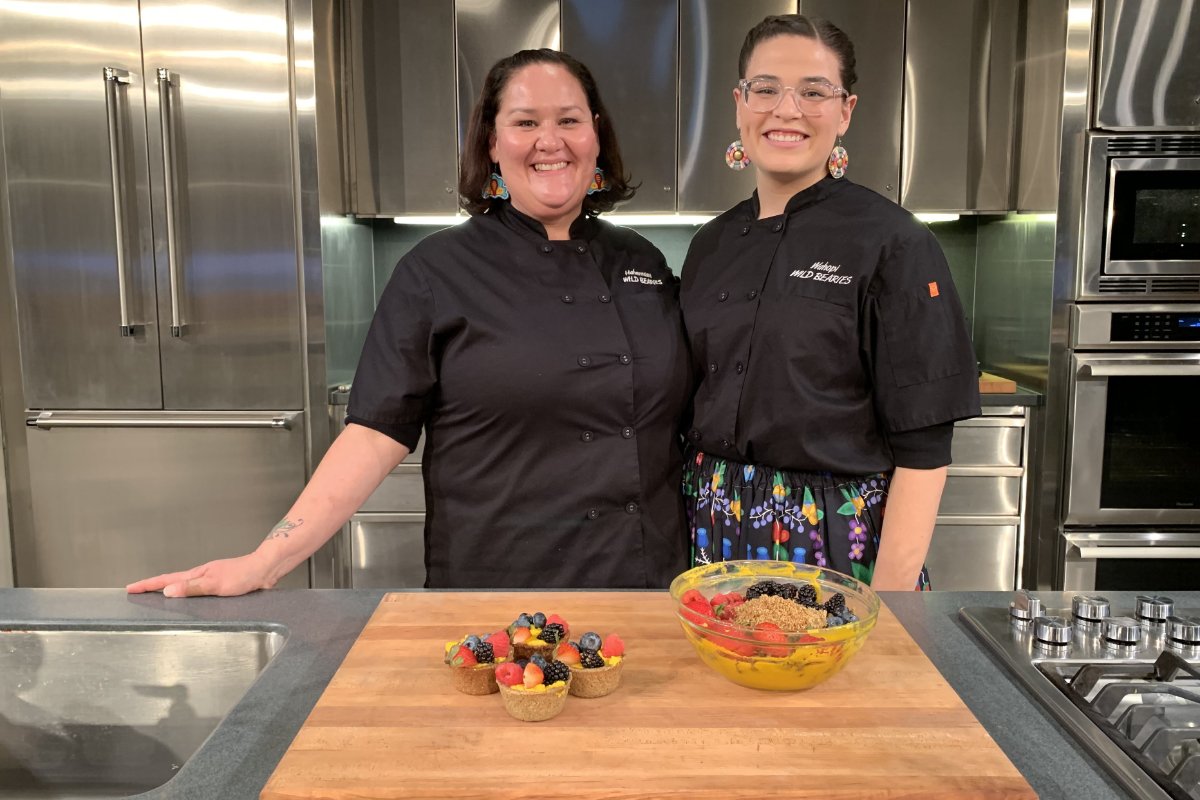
749	511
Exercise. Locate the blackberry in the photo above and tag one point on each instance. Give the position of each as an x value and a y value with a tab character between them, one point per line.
806	595
590	659
484	653
836	604
789	591
553	633
763	589
555	671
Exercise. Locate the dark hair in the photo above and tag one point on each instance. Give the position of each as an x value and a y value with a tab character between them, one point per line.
475	168
822	30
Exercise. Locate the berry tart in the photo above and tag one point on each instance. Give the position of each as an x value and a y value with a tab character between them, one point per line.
534	693
473	661
537	634
595	663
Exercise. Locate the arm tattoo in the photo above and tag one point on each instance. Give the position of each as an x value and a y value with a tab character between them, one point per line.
284	527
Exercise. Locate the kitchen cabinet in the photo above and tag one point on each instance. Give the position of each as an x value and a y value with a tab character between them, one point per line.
631	48
977	541
383	544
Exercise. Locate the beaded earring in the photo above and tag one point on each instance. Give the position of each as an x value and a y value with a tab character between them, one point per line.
735	156
839	159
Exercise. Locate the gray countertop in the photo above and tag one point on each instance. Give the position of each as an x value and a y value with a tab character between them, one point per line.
236	761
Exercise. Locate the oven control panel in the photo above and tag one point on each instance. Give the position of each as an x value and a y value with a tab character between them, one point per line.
1161	326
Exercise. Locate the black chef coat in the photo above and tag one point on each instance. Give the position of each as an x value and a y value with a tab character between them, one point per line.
827	339
549	377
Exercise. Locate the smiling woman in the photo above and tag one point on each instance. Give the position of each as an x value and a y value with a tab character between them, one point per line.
541	352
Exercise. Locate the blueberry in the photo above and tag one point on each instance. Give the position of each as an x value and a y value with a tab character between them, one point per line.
539	619
832	621
523	621
590	641
849	617
471	642
537	659
522	662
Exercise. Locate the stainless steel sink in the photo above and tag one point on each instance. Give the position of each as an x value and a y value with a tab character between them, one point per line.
108	711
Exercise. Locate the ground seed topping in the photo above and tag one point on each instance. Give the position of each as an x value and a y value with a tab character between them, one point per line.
789	616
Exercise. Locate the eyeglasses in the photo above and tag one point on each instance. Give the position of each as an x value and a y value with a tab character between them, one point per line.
765	94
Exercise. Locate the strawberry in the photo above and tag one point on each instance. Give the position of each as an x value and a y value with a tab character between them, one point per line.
521	635
509	674
533	675
567	653
558	619
613	646
462	656
697	611
500	644
770	632
690	595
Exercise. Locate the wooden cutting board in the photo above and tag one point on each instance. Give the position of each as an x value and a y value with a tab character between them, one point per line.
994	384
390	725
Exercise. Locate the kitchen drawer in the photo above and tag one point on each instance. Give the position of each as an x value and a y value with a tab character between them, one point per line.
387	551
973	557
402	490
988	442
982	490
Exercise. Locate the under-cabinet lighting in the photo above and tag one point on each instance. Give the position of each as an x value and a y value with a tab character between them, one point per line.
937	217
431	219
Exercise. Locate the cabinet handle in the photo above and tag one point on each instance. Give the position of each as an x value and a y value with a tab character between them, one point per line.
1115	369
165	81
46	420
113	79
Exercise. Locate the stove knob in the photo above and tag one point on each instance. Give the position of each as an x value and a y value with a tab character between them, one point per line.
1089	607
1052	630
1024	607
1122	630
1153	608
1185	630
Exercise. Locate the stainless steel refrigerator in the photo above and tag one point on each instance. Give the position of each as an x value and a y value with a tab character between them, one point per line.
164	268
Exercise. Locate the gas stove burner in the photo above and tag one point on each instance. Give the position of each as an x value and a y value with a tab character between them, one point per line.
1123	677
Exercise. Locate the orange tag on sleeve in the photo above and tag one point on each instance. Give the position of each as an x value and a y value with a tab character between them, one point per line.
933	290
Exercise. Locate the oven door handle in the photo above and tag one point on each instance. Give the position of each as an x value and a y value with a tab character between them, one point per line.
1115	369
1092	551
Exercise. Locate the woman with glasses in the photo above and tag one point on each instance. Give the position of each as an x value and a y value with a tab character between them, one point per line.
829	343
542	352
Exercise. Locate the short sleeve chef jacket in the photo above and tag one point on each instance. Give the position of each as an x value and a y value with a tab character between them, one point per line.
825	335
549	377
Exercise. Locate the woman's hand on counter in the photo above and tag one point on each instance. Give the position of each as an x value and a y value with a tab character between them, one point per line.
225	577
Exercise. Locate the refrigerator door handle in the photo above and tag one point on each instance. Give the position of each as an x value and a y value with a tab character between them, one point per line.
165	81
113	79
48	420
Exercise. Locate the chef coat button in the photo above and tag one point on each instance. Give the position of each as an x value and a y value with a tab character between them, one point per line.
605	298
739	367
584	361
592	513
694	435
566	298
725	443
723	296
777	227
712	367
547	248
627	432
582	248
745	229
750	295
626	358
587	436
631	508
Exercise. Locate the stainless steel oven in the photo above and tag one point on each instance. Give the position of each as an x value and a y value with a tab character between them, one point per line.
1134	435
1141	228
1130	560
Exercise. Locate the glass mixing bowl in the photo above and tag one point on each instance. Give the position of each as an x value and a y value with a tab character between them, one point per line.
806	658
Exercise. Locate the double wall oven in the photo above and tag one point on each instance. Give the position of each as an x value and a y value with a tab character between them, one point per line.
1131	510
